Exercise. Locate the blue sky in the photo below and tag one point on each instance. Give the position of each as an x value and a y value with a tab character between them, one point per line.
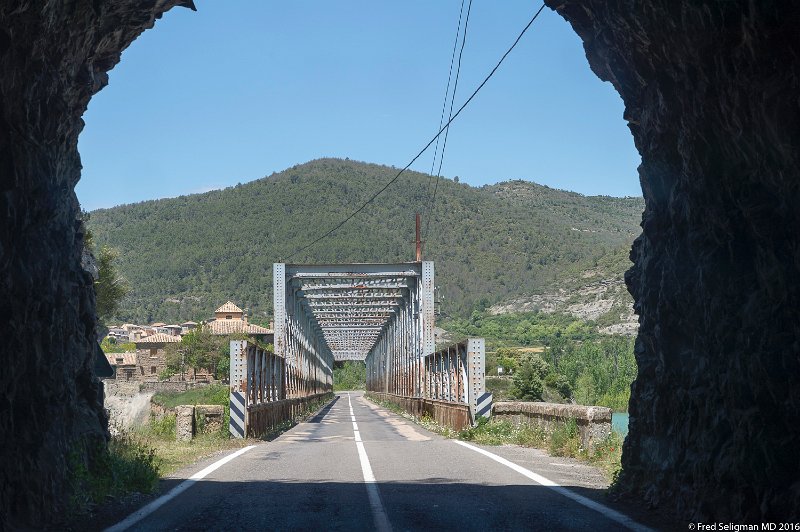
243	88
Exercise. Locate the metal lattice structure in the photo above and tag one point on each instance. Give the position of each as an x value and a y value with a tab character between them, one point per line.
348	310
382	314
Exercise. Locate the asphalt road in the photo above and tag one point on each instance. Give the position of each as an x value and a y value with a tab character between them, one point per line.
374	470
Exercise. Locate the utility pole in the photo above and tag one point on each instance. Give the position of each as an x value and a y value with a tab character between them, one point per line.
418	241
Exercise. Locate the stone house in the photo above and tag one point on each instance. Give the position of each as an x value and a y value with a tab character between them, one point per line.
124	364
150	356
230	319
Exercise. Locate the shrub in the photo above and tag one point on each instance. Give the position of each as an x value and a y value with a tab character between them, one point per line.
528	384
565	440
164	426
126	465
559	383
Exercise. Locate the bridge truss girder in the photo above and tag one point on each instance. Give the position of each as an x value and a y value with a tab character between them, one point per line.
350	309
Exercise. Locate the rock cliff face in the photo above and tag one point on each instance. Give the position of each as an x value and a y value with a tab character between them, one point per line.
711	95
54	56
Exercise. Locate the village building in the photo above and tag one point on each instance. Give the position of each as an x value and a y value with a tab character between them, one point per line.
230	319
174	330
188	326
124	364
118	333
149	362
150	355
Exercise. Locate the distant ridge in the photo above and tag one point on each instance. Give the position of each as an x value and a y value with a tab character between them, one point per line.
491	244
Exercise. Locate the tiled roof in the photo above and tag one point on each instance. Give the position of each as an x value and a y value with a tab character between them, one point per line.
229	307
158	324
158	338
235	326
128	359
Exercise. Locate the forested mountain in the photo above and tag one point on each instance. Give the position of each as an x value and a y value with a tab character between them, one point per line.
184	256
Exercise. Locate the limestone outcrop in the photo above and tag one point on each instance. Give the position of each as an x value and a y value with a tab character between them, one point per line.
711	97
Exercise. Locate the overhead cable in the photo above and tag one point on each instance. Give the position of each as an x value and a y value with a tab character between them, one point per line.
447	130
424	149
446	93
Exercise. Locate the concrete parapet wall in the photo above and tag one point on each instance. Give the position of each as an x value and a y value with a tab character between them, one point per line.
594	422
449	414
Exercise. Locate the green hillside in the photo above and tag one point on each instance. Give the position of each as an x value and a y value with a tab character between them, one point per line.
184	256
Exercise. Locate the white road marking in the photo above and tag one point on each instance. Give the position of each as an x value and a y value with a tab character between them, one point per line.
614	515
140	514
378	513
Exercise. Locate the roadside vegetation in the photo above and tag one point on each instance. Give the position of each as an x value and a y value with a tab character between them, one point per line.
135	460
533	356
126	465
159	433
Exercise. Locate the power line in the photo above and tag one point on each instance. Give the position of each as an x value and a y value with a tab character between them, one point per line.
447	90
428	145
447	131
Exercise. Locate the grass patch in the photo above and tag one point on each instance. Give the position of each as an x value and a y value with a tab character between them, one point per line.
174	455
128	464
213	394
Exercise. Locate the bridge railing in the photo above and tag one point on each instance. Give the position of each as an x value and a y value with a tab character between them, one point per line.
266	389
451	387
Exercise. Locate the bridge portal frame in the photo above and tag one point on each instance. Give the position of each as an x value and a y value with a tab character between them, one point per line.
349	309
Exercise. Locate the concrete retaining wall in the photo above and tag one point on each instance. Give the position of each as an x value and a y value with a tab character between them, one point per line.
594	422
453	415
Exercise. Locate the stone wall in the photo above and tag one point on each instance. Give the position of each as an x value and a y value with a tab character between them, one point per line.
594	422
711	98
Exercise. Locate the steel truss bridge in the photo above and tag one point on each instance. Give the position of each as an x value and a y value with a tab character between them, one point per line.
382	314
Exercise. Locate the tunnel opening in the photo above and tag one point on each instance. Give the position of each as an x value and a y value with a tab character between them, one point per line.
710	95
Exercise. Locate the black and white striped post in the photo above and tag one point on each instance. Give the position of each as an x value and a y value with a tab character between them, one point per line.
238	390
480	401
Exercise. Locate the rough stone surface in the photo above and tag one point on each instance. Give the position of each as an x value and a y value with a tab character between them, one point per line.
711	97
184	422
212	417
53	57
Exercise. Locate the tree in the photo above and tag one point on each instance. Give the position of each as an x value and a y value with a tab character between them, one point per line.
110	287
203	350
506	358
528	383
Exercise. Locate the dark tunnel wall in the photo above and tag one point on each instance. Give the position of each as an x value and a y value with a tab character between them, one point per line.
53	56
711	95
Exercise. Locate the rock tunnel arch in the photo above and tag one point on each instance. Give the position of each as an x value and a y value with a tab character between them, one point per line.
710	92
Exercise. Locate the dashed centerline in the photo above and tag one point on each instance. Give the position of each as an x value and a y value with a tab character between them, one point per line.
378	513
